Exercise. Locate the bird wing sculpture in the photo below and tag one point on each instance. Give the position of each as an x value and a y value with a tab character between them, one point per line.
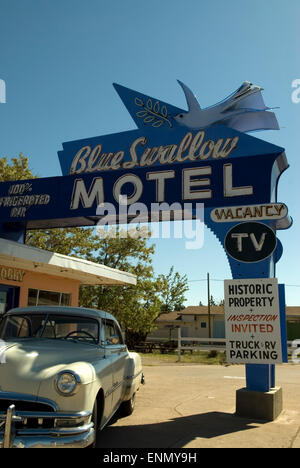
244	110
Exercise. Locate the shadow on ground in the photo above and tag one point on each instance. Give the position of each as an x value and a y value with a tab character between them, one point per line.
174	433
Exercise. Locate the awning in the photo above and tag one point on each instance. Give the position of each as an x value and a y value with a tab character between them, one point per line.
16	255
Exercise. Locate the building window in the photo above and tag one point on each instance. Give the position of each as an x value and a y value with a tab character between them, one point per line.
203	324
37	297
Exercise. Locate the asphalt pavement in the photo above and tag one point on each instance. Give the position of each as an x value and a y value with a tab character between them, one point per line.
193	406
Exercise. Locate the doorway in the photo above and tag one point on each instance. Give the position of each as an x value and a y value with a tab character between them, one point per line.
9	297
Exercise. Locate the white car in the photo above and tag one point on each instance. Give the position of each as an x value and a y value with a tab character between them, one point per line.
64	372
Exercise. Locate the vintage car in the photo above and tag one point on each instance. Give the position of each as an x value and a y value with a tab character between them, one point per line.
64	373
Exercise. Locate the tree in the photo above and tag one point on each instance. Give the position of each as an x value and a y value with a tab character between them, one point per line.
17	170
213	302
77	242
174	287
136	307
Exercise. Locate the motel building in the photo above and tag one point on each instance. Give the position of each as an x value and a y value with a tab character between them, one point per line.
32	276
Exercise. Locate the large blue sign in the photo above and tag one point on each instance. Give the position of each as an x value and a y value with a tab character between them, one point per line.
198	155
230	179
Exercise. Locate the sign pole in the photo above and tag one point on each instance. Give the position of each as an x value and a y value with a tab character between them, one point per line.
179	343
208	306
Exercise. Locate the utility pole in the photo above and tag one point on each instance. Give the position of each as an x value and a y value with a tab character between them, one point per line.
208	306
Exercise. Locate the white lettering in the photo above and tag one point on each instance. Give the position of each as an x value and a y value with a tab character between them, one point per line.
89	159
132	179
87	198
134	158
188	183
183	146
258	245
239	237
160	178
80	157
229	190
11	274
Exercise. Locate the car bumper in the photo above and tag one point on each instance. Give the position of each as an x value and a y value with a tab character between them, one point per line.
12	436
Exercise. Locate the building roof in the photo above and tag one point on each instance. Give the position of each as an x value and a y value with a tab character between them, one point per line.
16	255
168	317
190	310
293	311
202	310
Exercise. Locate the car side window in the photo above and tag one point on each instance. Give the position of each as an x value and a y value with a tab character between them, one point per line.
110	333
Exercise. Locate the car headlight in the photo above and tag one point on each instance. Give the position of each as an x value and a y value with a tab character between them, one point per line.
67	383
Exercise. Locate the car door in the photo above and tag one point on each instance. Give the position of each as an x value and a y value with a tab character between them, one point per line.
106	374
117	351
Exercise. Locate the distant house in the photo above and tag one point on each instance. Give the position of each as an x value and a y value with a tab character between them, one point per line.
193	321
293	322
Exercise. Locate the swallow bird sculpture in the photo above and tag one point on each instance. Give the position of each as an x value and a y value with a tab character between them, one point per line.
244	110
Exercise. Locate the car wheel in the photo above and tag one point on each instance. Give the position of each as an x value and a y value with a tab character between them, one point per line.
127	407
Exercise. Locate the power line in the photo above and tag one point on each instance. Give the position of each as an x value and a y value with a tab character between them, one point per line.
204	279
192	281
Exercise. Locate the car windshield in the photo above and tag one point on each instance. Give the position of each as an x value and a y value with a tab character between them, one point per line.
53	326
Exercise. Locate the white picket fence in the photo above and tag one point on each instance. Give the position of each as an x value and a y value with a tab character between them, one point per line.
218	344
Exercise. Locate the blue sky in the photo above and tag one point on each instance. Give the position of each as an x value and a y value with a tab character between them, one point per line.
59	59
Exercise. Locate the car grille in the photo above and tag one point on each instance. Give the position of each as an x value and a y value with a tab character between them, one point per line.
29	406
24	405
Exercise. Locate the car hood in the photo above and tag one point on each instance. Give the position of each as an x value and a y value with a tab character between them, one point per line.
29	362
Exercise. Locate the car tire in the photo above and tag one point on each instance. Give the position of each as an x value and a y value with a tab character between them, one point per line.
127	407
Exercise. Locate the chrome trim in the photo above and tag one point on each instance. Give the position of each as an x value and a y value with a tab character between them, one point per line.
113	388
73	441
9	425
64	431
131	377
77	378
7	429
81	415
110	417
81	435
